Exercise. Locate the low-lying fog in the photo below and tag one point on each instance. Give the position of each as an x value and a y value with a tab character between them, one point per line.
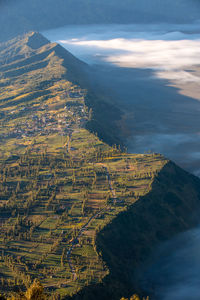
153	73
174	271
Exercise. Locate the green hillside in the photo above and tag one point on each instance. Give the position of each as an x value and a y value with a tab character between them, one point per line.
75	212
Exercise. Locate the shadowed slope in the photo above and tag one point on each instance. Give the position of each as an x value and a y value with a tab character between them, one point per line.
171	207
74	211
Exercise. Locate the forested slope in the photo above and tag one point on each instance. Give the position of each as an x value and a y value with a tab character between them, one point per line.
59	183
170	207
76	213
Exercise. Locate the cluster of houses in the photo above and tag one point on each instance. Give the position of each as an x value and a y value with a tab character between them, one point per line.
73	115
44	121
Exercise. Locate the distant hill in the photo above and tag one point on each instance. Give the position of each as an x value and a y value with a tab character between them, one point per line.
24	15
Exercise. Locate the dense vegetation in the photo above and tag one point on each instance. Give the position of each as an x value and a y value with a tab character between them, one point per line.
36	292
24	15
66	196
59	183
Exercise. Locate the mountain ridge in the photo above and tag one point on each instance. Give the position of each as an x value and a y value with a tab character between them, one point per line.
72	203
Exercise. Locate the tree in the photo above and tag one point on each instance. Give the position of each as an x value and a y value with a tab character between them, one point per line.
35	292
90	114
62	258
134	297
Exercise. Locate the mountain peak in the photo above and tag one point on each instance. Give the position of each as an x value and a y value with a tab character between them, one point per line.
36	40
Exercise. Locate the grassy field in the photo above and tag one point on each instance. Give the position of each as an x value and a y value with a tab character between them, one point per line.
60	185
47	198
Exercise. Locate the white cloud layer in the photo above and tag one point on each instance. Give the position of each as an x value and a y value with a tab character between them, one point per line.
169	50
168	58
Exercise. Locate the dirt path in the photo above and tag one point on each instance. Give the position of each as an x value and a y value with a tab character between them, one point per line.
110	184
84	228
75	242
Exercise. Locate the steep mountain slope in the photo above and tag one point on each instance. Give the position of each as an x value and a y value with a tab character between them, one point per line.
172	206
24	15
76	213
35	74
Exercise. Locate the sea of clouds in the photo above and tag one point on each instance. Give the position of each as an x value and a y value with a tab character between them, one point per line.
167	49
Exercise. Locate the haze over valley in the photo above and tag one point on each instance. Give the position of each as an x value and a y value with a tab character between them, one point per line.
153	72
99	149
